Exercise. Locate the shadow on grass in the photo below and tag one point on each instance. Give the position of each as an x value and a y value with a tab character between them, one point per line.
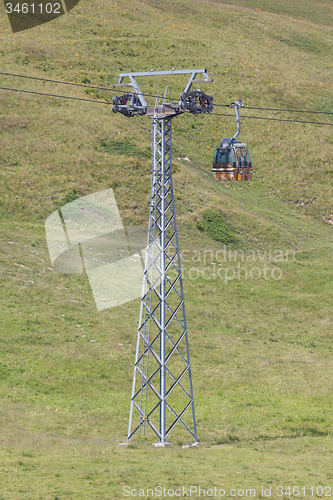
297	432
230	438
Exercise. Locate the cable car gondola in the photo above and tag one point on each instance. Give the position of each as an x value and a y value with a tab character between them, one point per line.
232	160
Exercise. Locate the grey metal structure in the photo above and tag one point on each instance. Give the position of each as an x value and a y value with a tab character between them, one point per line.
141	107
236	104
162	391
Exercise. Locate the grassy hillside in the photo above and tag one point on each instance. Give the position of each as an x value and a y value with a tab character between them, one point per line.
260	348
316	12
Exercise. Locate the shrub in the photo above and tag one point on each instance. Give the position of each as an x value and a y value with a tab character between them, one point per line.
215	225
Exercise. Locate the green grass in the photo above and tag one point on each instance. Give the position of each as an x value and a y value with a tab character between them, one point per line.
215	224
260	346
319	12
124	148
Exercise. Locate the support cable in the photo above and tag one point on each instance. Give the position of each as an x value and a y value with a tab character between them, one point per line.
274	119
289	110
54	95
151	95
77	84
59	82
109	103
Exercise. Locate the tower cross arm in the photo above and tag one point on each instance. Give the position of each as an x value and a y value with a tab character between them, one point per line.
133	82
169	72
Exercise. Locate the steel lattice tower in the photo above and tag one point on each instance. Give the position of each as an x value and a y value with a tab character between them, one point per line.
162	392
162	363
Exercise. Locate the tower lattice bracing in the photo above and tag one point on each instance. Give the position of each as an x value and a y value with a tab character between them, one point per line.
162	393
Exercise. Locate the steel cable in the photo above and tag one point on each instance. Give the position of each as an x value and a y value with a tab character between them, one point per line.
156	96
53	95
273	119
108	103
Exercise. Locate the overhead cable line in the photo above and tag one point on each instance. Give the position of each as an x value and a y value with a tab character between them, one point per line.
156	96
274	119
79	85
54	95
58	81
108	103
289	110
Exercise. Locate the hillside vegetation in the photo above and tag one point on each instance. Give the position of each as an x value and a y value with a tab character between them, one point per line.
260	345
